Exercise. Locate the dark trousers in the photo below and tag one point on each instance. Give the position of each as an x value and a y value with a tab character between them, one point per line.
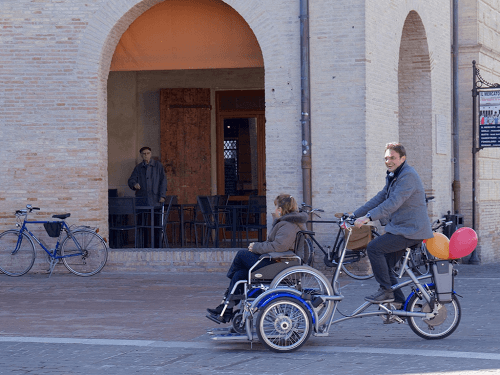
242	262
384	252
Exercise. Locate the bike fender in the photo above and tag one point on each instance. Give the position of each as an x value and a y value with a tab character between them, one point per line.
412	293
272	294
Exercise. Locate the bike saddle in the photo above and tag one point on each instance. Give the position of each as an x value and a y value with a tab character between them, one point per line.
61	216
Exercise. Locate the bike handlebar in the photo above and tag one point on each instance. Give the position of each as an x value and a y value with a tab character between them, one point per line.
29	208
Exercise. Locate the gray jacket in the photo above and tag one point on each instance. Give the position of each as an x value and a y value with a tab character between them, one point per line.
283	233
400	205
153	182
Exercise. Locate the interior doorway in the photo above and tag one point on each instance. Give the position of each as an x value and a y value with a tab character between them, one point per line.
241	143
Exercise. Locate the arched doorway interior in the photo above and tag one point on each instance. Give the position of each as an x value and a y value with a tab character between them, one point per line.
165	75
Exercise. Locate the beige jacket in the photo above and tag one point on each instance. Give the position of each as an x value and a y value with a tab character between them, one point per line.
283	233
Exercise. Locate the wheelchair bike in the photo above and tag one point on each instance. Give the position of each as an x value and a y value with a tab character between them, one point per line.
282	305
288	270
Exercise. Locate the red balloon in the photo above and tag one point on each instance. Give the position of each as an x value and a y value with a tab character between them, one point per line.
462	242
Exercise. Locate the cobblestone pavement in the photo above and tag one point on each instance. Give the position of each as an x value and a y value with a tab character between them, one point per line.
128	323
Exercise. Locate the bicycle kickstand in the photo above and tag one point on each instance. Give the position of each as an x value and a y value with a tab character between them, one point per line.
53	262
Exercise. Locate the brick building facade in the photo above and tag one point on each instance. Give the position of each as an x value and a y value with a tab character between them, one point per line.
380	71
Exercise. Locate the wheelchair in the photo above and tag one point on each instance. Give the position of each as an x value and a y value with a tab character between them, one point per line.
287	272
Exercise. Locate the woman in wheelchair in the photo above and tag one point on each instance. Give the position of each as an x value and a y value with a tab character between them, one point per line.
287	221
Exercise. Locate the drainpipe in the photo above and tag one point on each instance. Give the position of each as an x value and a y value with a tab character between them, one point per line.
305	91
456	138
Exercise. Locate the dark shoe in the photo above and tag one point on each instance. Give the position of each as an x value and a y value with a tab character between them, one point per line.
382	296
217	310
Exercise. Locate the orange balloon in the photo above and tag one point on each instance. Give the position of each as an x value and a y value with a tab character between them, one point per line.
439	246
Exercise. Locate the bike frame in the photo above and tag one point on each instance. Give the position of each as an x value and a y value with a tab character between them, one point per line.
359	312
53	254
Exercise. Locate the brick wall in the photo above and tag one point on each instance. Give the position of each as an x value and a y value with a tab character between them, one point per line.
478	40
53	114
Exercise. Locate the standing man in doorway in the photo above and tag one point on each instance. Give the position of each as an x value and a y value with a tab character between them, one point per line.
401	207
148	179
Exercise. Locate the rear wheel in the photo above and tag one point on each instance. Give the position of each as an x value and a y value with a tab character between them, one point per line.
306	252
86	259
442	325
308	280
12	262
284	325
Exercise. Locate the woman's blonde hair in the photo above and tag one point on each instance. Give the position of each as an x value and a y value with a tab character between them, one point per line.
287	203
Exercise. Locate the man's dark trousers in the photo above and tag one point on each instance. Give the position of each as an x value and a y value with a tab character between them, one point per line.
384	252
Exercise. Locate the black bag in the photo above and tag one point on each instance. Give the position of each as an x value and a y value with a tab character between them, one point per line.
53	229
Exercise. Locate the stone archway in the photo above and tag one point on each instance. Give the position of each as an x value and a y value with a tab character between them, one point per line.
415	97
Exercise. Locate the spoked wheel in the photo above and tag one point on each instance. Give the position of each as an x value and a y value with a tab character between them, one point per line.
89	258
418	262
306	252
438	327
12	262
238	322
284	325
357	265
309	280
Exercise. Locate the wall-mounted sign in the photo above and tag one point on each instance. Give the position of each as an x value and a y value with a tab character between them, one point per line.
489	118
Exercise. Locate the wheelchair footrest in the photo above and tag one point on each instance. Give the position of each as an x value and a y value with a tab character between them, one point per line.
217	318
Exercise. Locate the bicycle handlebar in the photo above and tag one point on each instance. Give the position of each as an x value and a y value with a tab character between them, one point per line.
29	208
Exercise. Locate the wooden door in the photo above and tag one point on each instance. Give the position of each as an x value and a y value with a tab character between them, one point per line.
185	142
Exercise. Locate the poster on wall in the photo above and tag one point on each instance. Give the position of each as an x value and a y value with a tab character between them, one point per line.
489	118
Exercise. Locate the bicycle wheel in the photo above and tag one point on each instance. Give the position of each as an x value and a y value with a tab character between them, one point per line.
16	263
309	280
87	260
284	325
306	252
419	260
356	264
439	327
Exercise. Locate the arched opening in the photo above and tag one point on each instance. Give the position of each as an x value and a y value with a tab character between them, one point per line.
415	98
167	73
187	79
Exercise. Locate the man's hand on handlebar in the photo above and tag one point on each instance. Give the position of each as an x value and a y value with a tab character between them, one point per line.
360	221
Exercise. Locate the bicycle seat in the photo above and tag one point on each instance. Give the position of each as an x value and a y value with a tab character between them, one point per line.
61	216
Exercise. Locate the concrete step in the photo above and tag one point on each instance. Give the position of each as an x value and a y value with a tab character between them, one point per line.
171	260
156	260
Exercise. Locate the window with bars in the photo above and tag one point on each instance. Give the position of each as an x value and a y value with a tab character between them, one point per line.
230	165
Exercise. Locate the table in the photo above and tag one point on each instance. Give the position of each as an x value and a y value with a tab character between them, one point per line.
234	210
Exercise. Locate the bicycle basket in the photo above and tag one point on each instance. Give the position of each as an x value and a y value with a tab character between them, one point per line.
359	238
53	229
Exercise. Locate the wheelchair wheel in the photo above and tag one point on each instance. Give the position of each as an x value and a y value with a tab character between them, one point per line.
309	280
238	322
284	325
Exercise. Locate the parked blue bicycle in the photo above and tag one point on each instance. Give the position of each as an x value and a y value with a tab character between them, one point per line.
81	250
